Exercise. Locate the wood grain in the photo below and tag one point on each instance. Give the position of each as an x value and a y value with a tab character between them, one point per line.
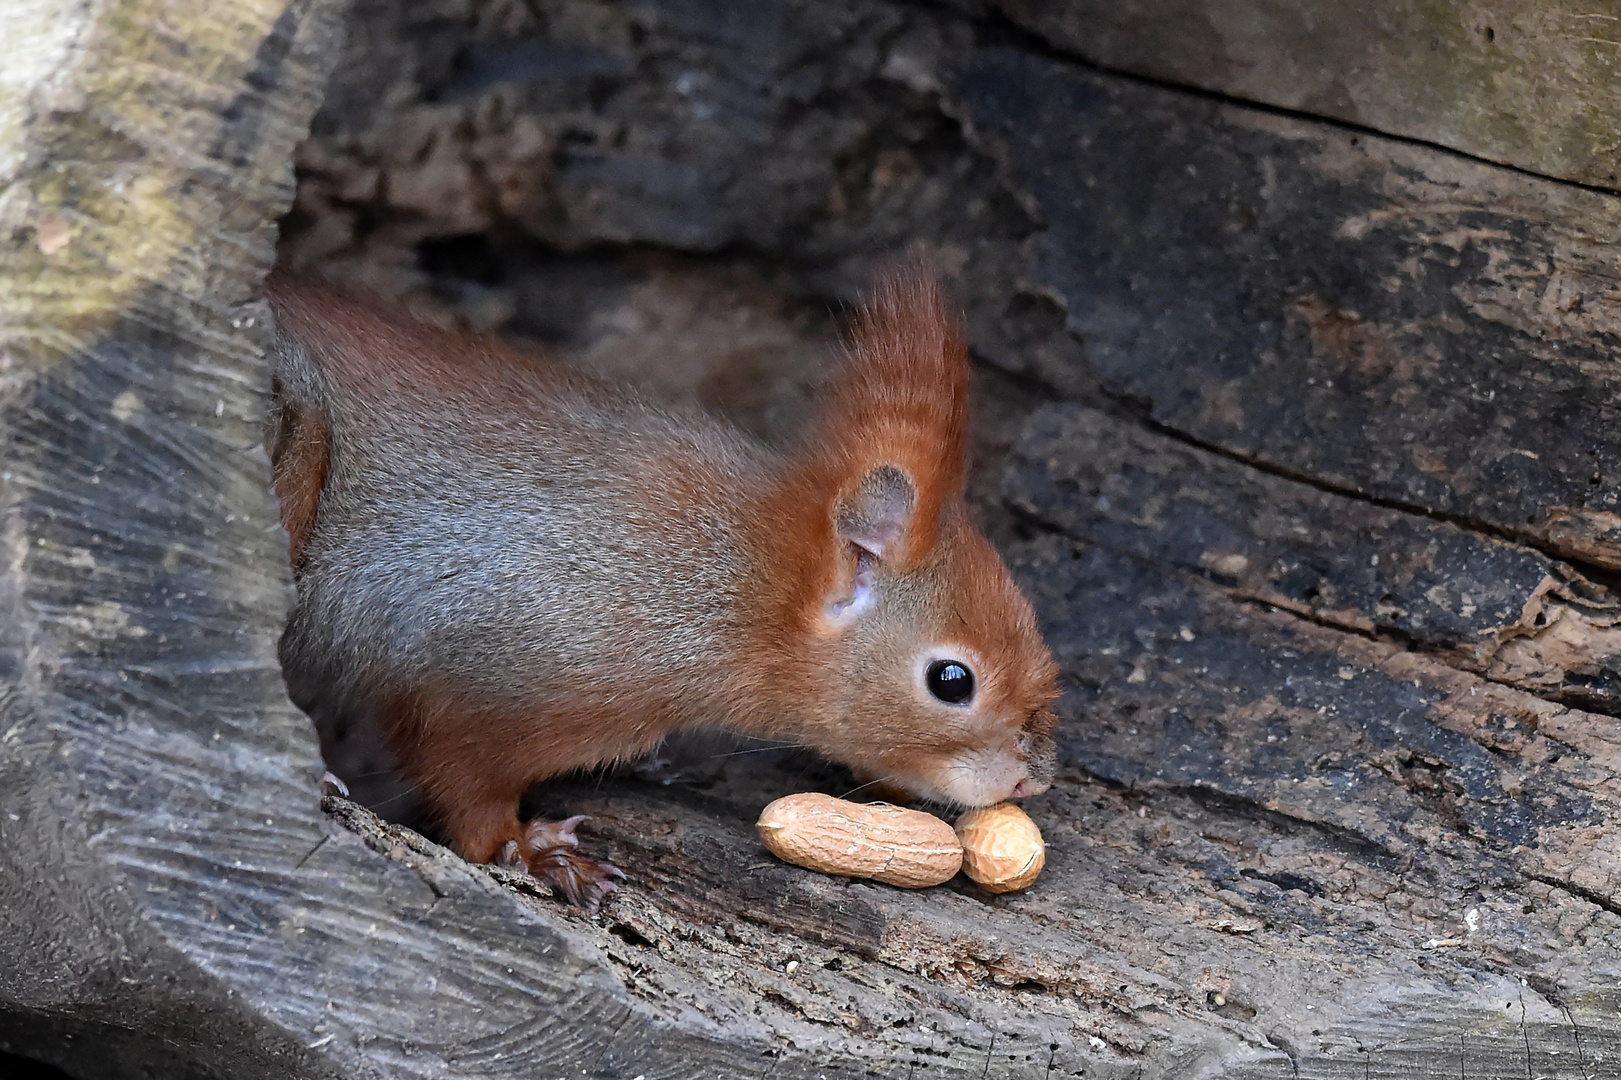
1529	85
1318	815
1385	320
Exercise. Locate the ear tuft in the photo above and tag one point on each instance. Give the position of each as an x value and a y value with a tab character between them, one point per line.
895	427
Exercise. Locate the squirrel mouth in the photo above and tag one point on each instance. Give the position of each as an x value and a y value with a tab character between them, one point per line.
1028	787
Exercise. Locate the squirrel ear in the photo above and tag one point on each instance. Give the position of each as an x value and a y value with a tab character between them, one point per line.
894	430
873	517
875	513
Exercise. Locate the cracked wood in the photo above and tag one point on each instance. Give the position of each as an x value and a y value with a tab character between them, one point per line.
1385	319
1530	85
1487	605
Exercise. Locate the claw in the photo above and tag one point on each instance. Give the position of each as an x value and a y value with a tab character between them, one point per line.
582	881
549	834
509	858
548	851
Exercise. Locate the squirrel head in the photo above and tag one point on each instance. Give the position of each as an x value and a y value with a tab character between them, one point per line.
924	660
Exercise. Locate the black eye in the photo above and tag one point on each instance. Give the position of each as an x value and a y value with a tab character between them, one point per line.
950	681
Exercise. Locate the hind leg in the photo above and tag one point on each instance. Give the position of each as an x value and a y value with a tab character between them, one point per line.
483	824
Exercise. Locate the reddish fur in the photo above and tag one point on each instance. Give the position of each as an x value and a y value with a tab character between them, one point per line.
300	458
383	354
902	398
901	401
474	764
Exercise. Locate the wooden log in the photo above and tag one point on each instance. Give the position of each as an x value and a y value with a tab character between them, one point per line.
1407	823
1291	644
1252	535
1387	320
1485	605
1529	85
1316	817
172	899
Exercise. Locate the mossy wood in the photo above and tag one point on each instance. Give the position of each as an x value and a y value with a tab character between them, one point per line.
1314	486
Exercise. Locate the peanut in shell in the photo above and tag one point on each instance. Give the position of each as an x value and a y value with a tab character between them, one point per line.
1002	849
885	843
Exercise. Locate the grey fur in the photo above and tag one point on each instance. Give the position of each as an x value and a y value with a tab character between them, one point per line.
549	566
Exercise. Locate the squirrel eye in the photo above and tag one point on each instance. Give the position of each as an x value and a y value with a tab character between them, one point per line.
950	681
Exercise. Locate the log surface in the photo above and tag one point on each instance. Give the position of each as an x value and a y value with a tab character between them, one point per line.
1382	319
1299	438
1529	85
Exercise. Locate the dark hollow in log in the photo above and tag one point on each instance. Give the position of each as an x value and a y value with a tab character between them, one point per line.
1298	437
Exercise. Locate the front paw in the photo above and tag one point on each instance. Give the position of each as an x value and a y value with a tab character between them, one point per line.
548	851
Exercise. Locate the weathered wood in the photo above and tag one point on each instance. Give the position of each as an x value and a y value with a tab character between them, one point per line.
1406	813
1483	604
1531	85
172	900
1385	319
1124	517
1318	816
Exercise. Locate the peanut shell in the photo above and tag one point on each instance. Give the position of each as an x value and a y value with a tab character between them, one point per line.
866	840
1001	848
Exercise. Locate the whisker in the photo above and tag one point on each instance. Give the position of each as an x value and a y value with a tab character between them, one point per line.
868	784
351	776
759	750
380	803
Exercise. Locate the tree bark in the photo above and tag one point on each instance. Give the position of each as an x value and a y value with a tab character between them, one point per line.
1299	438
1525	85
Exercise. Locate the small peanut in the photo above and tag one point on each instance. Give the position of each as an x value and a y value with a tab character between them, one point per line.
1001	848
866	840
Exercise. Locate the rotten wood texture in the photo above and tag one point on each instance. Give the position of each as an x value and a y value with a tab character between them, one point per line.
1384	319
1531	85
1321	540
1499	609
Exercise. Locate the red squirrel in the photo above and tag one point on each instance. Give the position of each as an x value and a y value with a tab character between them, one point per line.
521	571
